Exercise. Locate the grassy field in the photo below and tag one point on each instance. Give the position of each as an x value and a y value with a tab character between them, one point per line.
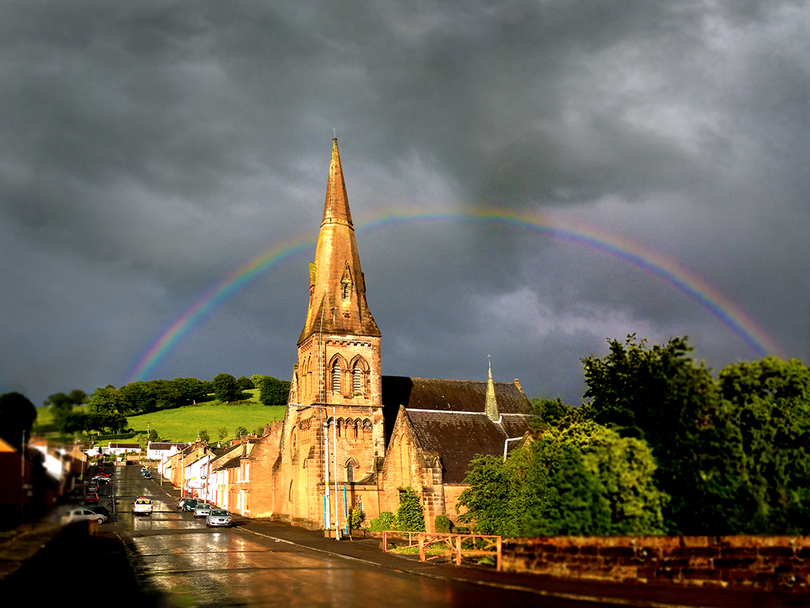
183	423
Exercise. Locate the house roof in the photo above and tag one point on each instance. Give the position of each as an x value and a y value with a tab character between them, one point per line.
165	445
449	417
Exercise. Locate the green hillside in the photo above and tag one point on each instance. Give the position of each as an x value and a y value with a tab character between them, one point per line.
183	423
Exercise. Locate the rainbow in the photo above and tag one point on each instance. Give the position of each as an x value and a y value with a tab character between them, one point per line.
558	227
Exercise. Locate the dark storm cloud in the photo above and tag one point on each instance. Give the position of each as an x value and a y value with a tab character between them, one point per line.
148	149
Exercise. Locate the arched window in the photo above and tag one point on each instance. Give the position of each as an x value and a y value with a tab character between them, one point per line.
357	380
336	377
349	472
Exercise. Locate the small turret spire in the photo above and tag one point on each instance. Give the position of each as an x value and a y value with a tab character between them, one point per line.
491	403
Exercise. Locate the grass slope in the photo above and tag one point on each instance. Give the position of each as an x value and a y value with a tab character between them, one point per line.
183	423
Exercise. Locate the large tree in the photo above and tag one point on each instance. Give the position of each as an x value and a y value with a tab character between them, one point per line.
17	415
661	395
766	409
274	391
226	388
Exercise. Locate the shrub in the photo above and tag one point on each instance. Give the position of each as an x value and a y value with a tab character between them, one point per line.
355	518
384	522
443	524
410	516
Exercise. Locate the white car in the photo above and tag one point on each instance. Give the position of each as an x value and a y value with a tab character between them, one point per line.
75	515
218	517
142	506
202	509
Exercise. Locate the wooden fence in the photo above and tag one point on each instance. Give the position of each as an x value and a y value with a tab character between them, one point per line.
455	546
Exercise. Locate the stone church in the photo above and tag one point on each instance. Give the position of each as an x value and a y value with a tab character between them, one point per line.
352	437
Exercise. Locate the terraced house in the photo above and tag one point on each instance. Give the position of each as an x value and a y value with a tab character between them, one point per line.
352	437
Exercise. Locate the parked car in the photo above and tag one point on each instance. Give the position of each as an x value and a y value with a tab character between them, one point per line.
99	509
92	487
189	504
142	506
91	499
202	509
218	517
75	515
99	479
147	475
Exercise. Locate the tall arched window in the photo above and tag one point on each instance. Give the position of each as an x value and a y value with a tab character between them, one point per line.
336	377
357	380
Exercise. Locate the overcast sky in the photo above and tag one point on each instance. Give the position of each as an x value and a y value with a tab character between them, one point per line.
148	149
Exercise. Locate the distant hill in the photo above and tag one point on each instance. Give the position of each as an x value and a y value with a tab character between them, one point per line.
183	423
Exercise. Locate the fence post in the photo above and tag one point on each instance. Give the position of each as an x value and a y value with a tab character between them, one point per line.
421	538
498	562
458	550
385	541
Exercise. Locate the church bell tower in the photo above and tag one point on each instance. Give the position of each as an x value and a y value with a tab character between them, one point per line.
338	372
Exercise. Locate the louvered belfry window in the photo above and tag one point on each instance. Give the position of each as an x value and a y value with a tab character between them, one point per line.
336	378
357	380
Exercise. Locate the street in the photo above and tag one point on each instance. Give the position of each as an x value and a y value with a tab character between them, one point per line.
170	559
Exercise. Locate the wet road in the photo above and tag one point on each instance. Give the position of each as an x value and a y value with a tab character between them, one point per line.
187	564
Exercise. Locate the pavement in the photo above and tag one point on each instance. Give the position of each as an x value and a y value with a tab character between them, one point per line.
64	556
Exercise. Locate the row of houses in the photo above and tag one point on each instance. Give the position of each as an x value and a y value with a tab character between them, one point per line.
219	475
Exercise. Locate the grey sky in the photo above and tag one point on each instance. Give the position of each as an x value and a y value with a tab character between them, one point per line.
147	149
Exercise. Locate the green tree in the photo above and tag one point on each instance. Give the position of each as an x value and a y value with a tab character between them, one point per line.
410	515
226	389
764	421
274	391
222	433
61	405
245	383
203	435
153	435
578	478
17	415
191	390
108	399
662	396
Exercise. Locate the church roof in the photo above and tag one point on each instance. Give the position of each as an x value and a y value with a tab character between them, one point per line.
452	395
449	417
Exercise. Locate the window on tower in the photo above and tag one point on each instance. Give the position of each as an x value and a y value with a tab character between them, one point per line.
336	377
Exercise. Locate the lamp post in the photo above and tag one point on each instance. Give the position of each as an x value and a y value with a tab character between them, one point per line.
328	518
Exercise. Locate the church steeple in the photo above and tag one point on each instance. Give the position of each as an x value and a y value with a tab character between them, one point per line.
337	303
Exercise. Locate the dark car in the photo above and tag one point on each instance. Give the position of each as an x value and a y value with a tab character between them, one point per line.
99	509
189	504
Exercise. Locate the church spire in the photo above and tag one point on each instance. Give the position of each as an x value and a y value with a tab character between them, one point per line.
336	206
337	289
491	403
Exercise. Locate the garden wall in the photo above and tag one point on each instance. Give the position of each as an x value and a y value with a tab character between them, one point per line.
767	563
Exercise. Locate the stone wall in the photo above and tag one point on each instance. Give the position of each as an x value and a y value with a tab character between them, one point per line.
767	563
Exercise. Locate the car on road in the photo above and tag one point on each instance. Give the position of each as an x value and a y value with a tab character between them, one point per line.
75	515
147	475
99	509
142	506
100	479
91	499
218	517
202	509
187	504
92	488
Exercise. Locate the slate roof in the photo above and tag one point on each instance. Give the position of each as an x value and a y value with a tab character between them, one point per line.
448	417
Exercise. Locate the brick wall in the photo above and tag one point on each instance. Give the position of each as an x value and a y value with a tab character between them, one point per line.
767	563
